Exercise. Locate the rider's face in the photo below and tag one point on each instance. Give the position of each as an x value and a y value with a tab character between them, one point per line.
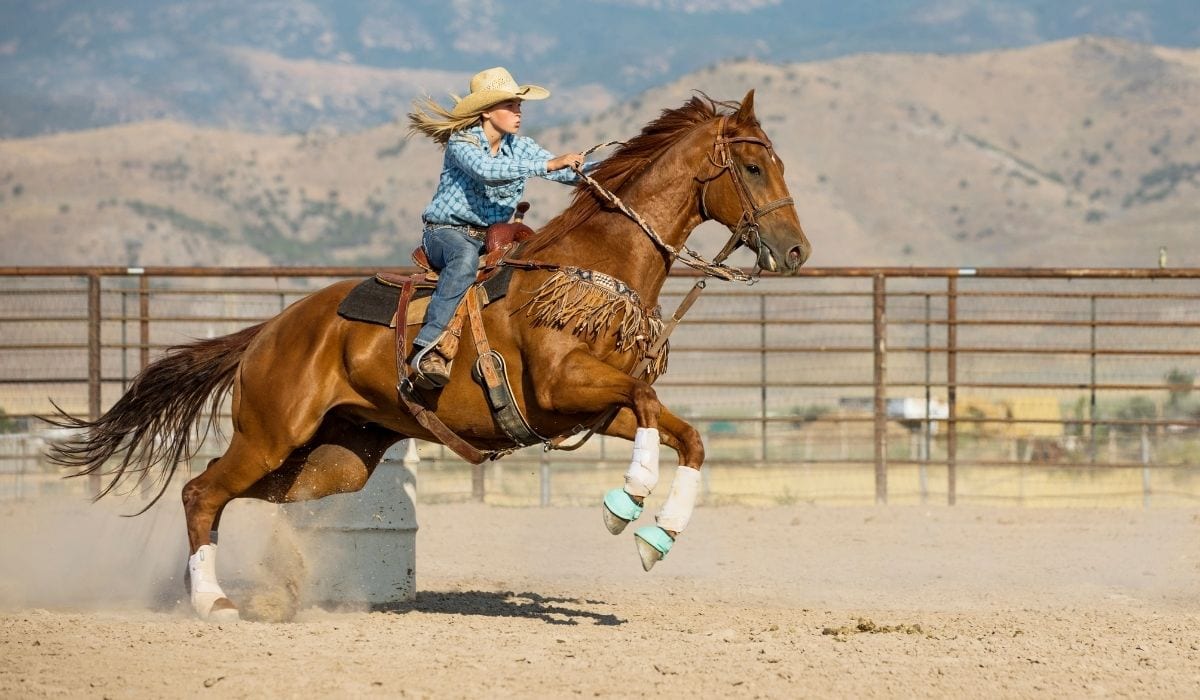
505	117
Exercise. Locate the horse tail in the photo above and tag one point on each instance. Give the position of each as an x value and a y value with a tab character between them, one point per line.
150	426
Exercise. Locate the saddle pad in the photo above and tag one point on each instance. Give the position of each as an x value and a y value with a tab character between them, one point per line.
373	301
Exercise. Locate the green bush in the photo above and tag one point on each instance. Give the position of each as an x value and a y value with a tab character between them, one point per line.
1136	408
8	424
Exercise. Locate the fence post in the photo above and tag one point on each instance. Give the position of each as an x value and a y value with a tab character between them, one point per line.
477	485
1092	384
93	311
762	370
951	390
93	335
923	473
124	341
880	325
144	319
544	470
1145	466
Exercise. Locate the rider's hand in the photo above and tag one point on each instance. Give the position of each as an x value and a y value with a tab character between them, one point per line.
566	160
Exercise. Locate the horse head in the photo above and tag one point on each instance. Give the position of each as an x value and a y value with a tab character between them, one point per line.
743	188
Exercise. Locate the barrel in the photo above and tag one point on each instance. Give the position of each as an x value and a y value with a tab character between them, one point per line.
359	549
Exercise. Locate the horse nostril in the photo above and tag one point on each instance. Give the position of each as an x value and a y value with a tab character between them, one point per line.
796	256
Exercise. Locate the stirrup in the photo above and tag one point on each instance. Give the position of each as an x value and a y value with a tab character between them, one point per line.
426	381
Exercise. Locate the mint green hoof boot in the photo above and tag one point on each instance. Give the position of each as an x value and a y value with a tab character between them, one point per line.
619	510
653	543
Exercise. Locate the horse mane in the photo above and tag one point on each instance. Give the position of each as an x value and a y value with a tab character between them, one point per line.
628	162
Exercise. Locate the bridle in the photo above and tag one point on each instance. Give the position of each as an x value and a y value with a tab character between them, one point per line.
746	231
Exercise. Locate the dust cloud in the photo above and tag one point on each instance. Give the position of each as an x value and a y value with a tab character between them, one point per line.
66	552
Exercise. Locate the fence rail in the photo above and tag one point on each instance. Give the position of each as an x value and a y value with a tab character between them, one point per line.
906	376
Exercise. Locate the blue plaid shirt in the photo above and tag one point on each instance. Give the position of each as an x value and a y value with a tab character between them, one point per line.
479	189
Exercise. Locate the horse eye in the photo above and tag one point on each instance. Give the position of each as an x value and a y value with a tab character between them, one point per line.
753	169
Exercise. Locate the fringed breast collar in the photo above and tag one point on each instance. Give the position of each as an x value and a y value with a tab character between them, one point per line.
589	303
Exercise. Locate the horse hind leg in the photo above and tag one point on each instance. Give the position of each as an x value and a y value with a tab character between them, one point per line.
204	500
339	458
247	460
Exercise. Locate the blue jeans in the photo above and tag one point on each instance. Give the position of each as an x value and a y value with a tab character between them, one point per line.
455	256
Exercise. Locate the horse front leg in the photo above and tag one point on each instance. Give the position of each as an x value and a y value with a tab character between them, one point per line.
655	541
584	384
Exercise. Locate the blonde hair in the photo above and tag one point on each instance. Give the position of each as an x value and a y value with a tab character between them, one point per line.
438	123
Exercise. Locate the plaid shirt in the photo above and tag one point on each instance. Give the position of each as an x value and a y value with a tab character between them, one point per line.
481	189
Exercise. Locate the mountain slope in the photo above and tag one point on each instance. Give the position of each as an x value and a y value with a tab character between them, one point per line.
1074	153
271	66
1082	152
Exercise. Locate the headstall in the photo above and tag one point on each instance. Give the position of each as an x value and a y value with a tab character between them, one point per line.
746	231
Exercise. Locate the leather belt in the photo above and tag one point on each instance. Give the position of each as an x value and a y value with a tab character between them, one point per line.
478	234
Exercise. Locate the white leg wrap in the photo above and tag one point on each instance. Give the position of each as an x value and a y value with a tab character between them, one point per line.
677	511
642	475
202	569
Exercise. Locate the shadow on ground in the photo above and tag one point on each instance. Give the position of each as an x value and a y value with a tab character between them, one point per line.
554	611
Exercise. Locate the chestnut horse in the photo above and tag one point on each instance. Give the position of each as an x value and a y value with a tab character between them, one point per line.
315	401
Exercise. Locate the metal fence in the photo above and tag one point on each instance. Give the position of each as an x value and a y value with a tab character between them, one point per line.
1033	386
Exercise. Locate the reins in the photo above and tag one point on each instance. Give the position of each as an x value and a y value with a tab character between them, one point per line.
689	257
744	233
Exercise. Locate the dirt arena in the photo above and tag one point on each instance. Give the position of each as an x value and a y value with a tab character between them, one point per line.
754	602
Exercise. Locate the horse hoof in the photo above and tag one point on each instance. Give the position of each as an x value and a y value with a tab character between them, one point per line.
619	510
653	543
222	610
614	524
225	615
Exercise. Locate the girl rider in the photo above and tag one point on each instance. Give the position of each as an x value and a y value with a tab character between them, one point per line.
483	178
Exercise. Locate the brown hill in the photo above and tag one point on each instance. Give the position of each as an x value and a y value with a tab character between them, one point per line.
1076	153
165	193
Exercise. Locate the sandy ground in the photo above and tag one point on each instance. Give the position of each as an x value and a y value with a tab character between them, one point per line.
776	602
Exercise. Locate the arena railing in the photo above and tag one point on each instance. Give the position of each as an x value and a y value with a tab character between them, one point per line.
838	384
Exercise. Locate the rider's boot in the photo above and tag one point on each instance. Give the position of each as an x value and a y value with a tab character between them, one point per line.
431	364
432	368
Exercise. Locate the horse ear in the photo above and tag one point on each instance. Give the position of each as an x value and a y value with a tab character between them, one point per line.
745	113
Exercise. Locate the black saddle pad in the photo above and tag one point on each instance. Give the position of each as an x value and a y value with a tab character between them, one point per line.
373	301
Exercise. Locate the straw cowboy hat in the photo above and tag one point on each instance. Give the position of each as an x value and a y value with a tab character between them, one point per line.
493	86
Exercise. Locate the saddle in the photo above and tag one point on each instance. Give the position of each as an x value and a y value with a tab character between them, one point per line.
379	298
498	241
490	371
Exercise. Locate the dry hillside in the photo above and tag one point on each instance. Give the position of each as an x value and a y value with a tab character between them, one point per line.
1076	153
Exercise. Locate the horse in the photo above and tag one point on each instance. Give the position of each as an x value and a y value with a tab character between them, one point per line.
315	400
